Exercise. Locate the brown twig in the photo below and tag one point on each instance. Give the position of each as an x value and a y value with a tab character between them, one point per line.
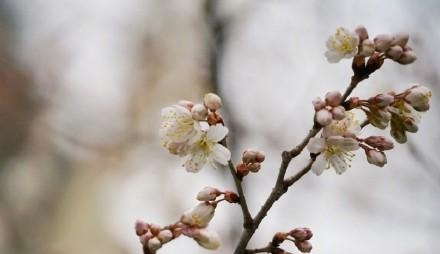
266	249
247	218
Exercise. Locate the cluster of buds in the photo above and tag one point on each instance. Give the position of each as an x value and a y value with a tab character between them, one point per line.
330	109
374	147
250	162
152	237
401	110
299	236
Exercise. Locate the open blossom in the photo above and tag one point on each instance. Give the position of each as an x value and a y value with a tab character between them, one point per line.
176	129
335	145
204	148
342	44
205	238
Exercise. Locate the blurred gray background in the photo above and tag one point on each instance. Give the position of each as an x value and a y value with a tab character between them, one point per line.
82	84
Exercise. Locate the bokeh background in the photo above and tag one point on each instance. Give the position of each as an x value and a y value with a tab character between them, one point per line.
82	84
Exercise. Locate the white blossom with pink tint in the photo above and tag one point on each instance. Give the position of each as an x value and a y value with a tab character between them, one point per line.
199	216
342	44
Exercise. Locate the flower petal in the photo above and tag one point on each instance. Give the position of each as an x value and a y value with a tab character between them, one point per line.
195	162
216	133
221	154
333	56
338	163
319	165
346	144
316	145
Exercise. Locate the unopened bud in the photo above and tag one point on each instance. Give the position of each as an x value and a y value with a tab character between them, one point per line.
299	234
249	155
395	52
212	101
338	113
309	233
383	42
374	62
260	156
165	236
375	157
419	96
407	57
318	104
379	142
410	125
145	238
368	48
381	100
154	244
323	117
400	39
399	135
140	227
186	104
207	239
254	167
362	32
231	197
199	112
208	194
303	246
333	98
199	216
242	169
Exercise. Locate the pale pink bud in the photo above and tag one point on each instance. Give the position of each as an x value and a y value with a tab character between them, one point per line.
186	104
199	216
400	39
145	238
381	100
323	117
338	113
207	239
165	236
368	48
303	246
242	169
407	57
362	33
249	155
254	167
379	142
376	157
208	194
309	233
419	96
260	156
212	101
318	104
154	244
383	42
333	98
410	125
395	52
140	227
399	135
199	112
299	234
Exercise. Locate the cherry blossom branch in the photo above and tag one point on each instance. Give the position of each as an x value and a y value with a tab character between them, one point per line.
266	249
247	217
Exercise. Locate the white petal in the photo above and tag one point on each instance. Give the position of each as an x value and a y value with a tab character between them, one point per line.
319	165
216	133
333	56
195	162
221	154
316	145
338	163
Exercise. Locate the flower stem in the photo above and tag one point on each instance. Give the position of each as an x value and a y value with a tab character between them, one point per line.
247	218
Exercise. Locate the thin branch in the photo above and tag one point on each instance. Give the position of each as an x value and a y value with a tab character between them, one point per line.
247	218
266	249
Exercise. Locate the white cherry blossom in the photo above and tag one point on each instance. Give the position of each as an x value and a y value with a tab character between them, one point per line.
342	44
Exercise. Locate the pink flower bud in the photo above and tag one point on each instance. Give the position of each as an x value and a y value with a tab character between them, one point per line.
212	101
309	233
333	98
400	39
383	42
231	197
318	104
362	33
376	157
368	48
303	246
145	238
299	234
165	236
249	155
140	227
381	100
254	167
338	113
395	52
410	125
242	169
379	142
260	156
199	112
323	117
407	57
208	194
419	96
154	244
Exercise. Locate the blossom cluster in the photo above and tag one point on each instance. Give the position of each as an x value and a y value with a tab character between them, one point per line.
250	162
195	130
299	236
